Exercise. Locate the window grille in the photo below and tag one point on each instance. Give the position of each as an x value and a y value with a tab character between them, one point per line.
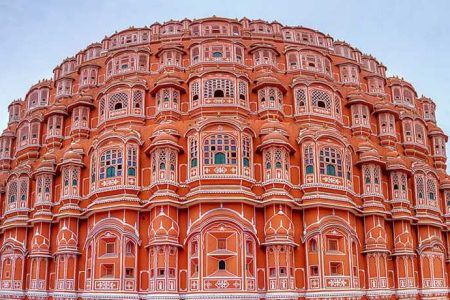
320	98
211	86
220	149
111	164
330	162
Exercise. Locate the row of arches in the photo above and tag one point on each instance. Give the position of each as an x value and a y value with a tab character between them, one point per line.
222	256
218	150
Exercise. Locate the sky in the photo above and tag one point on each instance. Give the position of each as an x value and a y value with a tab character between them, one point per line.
410	37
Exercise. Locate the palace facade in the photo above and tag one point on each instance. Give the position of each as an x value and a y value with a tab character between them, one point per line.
223	159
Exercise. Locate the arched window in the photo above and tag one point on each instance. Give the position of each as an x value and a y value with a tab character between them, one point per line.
321	99
12	191
246	151
276	162
387	124
348	167
163	164
222	265
131	160
293	61
371	176
408	97
367	175
137	100
270	98
194	153
396	94
330	162
313	245
111	164
300	99
420	188
219	158
195	92
195	55
407	130
102	109
70	177
331	170
219	87
129	248
420	133
218	94
118	101
172	160
110	172
337	107
246	162
360	114
220	149
93	170
162	160
242	89
431	190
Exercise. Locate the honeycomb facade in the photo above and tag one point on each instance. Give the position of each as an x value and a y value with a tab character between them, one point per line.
223	159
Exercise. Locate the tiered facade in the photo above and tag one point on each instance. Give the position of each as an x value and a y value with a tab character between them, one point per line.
223	159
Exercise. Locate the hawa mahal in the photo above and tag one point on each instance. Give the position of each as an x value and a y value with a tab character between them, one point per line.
223	159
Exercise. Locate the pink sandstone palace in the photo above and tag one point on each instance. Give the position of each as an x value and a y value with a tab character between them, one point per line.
223	159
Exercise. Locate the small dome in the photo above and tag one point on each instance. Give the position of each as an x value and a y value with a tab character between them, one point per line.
168	81
365	145
169	127
400	81
57	109
164	138
279	228
270	126
384	106
369	155
71	155
268	79
76	147
275	138
163	229
397	163
434	130
49	156
445	183
426	99
8	132
47	162
354	94
392	154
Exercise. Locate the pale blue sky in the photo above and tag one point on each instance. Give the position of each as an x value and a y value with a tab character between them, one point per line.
412	38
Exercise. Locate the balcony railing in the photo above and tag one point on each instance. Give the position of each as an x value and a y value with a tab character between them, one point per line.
406	282
37	284
65	284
